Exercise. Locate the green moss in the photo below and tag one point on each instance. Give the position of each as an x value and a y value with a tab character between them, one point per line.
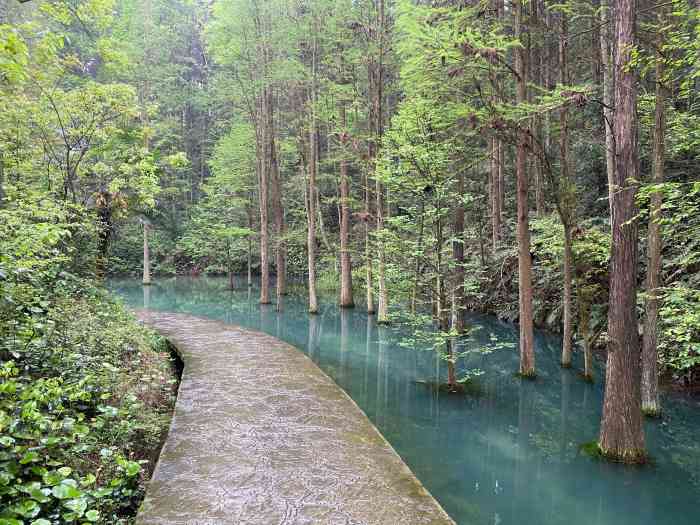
652	413
591	449
629	457
531	376
470	388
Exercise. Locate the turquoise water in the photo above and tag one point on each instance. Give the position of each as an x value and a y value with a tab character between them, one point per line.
509	455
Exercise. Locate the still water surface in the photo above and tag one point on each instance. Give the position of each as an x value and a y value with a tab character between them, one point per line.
509	455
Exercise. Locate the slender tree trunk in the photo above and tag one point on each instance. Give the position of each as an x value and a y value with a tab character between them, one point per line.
311	226
264	192
650	372
566	201
346	298
278	212
608	95
2	180
146	256
495	194
568	335
383	296
458	299
229	262
622	432
313	170
527	349
250	243
536	76
369	277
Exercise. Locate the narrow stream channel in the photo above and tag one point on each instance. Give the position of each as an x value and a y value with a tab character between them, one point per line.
509	453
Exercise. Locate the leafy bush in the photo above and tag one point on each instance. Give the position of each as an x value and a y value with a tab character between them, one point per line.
85	392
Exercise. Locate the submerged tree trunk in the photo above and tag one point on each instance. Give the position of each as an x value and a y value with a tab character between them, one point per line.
378	89
263	183
369	278
622	432
346	298
650	372
146	255
278	211
458	300
567	201
527	350
250	243
311	222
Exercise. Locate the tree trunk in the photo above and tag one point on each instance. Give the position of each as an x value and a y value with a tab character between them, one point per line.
608	94
2	180
278	212
229	263
622	432
369	278
346	298
146	256
536	74
264	191
313	169
568	336
383	306
650	372
250	243
495	193
458	299
567	205
527	349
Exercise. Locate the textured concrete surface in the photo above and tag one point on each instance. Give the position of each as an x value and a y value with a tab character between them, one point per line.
261	435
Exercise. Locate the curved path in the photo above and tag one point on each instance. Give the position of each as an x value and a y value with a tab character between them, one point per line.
262	436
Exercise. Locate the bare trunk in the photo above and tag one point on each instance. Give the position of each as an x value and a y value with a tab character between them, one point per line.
263	195
622	432
369	277
278	211
346	298
146	256
458	299
608	94
568	336
527	350
311	197
383	306
250	244
567	201
495	194
650	372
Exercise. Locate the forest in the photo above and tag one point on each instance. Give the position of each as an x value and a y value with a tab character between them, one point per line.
417	160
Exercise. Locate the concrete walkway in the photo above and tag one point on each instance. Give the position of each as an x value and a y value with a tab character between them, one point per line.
262	436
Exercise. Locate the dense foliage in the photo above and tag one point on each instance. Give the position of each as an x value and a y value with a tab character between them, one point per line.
86	393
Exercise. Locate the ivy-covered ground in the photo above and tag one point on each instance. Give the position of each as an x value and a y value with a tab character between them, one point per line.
86	393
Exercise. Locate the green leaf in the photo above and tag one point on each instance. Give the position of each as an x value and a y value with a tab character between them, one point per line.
64	491
78	505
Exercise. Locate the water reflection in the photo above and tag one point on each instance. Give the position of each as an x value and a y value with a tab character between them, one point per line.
507	454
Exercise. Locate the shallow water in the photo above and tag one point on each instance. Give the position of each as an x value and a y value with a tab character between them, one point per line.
509	455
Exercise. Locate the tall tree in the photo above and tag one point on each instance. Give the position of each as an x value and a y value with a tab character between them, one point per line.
650	372
527	348
622	432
